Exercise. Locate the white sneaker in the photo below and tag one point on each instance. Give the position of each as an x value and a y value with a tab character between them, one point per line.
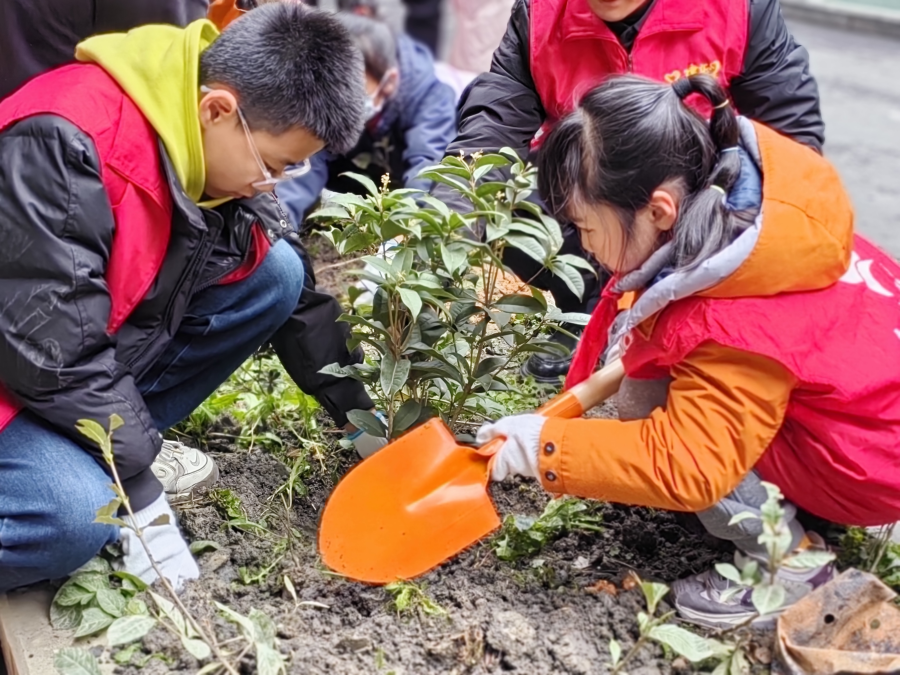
184	471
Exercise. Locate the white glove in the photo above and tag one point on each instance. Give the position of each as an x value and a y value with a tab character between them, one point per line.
168	547
519	454
366	444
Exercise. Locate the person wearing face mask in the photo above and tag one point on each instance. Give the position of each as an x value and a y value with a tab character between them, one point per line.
410	119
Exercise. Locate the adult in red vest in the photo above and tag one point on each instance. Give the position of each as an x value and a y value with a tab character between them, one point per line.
143	259
555	51
764	344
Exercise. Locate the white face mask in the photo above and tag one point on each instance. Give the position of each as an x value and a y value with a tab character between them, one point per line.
371	110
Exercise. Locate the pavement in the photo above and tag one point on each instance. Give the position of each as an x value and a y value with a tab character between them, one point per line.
859	82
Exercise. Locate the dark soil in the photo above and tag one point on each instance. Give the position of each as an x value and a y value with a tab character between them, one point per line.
501	616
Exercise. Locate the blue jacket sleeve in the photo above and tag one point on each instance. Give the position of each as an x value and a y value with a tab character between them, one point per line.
430	129
297	196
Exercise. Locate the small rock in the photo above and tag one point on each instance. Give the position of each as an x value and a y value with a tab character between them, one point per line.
354	644
511	633
581	563
681	663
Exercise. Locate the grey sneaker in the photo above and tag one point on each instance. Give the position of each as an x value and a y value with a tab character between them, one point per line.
184	471
709	599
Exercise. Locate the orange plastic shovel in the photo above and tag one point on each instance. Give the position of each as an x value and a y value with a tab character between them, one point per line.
423	498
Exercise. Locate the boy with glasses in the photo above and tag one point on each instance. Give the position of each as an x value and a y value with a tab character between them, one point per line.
143	263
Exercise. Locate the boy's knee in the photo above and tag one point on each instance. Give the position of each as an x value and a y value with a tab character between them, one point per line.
284	272
71	537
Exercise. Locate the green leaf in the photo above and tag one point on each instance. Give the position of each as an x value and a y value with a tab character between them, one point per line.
576	261
136	607
263	627
111	601
196	648
488	365
407	415
65	617
402	261
123	657
730	572
92	581
363	180
73	661
170	611
98	564
93	620
570	276
518	304
615	652
527	245
269	661
115	421
394	374
330	213
687	644
92	430
130	582
412	300
246	624
768	598
204	546
807	560
454	258
653	593
129	629
368	422
72	594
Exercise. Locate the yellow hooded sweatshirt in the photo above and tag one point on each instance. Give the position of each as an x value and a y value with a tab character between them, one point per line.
158	67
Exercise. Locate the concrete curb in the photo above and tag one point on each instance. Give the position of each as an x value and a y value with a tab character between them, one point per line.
879	20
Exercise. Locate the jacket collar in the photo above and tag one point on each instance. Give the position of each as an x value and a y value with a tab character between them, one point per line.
578	21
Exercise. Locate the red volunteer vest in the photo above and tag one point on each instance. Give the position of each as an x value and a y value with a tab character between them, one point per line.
837	454
130	168
133	179
572	50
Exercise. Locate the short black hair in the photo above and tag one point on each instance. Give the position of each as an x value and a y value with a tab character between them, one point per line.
375	40
291	66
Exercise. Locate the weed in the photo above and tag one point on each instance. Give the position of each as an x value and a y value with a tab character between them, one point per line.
97	598
230	505
766	593
524	536
876	554
410	597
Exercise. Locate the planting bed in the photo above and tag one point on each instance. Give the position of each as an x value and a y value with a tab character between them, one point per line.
500	616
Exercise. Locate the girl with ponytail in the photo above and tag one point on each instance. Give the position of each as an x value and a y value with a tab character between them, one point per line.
763	344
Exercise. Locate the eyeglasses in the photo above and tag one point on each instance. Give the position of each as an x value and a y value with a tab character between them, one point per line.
268	179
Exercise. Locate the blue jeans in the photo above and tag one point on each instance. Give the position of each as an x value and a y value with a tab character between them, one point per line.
50	489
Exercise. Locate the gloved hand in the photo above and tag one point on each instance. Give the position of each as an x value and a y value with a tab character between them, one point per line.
519	454
365	443
168	547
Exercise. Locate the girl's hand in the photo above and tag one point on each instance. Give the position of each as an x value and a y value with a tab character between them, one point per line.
519	454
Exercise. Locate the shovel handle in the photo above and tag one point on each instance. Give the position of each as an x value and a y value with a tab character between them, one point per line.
584	396
574	402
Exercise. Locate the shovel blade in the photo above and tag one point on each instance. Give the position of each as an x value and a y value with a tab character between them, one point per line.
418	502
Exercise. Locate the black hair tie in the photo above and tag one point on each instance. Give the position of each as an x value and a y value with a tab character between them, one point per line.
683	88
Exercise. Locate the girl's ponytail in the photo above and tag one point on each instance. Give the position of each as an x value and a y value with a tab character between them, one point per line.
706	224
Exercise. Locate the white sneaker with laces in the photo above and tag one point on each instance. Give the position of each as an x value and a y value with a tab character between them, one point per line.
184	471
